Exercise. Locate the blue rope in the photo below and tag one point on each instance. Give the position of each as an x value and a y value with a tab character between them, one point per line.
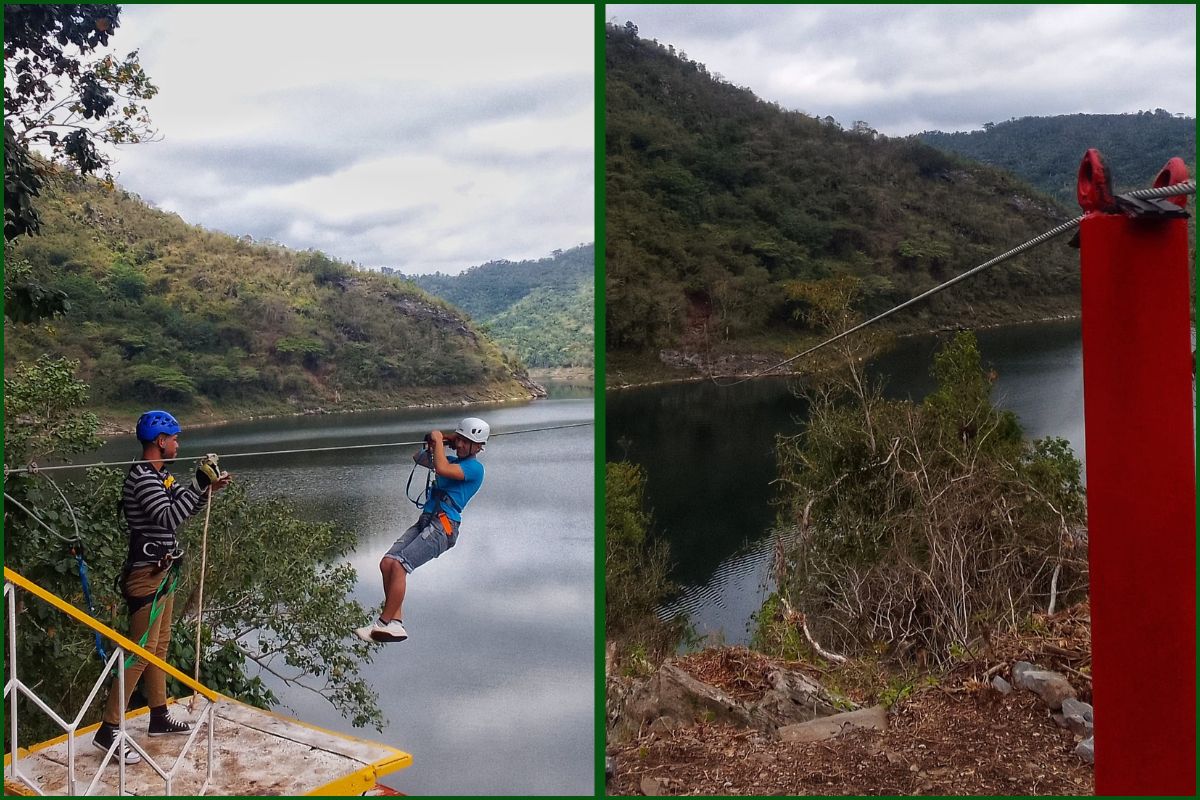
87	598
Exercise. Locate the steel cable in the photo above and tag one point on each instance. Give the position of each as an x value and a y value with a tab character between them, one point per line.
1174	190
37	469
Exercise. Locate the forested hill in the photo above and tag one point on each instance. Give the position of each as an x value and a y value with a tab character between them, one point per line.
542	310
718	201
1046	151
166	313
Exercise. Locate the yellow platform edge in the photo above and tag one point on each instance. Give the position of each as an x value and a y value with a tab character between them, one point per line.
356	782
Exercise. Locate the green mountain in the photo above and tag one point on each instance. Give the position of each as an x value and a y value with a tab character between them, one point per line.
1046	151
542	310
718	203
162	312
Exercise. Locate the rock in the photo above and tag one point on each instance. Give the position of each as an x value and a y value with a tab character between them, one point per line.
1000	685
674	695
1077	716
672	692
1086	750
663	725
1052	687
793	698
874	718
652	787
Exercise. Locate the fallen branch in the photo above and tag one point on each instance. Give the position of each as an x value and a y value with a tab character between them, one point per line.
793	616
995	669
1054	588
1083	675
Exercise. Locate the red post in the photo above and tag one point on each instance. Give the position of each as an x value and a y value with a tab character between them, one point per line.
1137	378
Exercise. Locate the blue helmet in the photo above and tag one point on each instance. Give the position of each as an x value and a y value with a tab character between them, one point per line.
153	423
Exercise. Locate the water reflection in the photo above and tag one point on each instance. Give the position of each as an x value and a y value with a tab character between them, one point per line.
494	692
708	452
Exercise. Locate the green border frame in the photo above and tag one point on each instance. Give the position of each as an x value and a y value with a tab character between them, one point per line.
600	789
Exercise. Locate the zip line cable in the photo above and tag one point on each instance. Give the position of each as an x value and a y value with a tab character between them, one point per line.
37	469
1175	189
77	541
10	499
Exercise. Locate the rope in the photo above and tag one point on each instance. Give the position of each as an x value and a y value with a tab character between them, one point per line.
155	608
67	503
19	470
200	600
38	519
1187	187
87	598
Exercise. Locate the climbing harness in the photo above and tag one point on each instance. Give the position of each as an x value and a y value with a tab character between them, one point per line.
430	476
156	607
431	492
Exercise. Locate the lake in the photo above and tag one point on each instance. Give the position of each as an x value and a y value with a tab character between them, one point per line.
708	453
494	692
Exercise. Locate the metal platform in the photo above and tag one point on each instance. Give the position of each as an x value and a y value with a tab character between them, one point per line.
255	752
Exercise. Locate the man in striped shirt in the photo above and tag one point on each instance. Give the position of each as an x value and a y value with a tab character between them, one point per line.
155	505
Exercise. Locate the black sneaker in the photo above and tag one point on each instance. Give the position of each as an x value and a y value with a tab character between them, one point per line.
166	725
104	738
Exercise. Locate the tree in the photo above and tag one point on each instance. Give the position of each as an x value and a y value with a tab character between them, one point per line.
61	100
635	572
922	527
289	616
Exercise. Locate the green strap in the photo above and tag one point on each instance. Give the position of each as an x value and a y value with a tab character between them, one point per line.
155	610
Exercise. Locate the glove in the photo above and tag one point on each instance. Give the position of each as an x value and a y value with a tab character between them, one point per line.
207	473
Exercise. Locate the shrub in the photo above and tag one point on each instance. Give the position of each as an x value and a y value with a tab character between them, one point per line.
922	527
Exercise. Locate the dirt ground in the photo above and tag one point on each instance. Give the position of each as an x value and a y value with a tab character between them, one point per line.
958	737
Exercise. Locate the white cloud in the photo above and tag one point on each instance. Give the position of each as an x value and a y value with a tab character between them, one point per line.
416	137
908	68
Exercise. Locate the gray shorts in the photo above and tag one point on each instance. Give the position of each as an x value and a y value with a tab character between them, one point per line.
424	541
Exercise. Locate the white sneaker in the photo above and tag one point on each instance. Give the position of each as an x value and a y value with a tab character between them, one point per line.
391	632
364	633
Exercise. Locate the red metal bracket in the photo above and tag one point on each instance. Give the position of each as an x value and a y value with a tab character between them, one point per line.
1174	172
1094	189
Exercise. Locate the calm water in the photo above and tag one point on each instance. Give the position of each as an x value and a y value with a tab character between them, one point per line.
494	691
709	455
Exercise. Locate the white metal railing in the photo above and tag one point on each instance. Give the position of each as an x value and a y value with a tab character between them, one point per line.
14	687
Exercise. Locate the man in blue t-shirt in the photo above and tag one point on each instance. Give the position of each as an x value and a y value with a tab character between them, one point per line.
436	530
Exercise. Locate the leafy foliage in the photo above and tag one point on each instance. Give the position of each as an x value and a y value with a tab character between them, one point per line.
288	613
549	328
541	310
58	96
41	417
160	311
1046	150
716	200
635	568
923	527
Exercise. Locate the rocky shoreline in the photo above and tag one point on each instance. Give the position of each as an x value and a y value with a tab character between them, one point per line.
110	426
737	366
1013	718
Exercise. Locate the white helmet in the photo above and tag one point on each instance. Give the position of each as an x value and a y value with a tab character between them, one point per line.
474	429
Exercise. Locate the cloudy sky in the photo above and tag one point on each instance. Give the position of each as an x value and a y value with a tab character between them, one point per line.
415	137
905	69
